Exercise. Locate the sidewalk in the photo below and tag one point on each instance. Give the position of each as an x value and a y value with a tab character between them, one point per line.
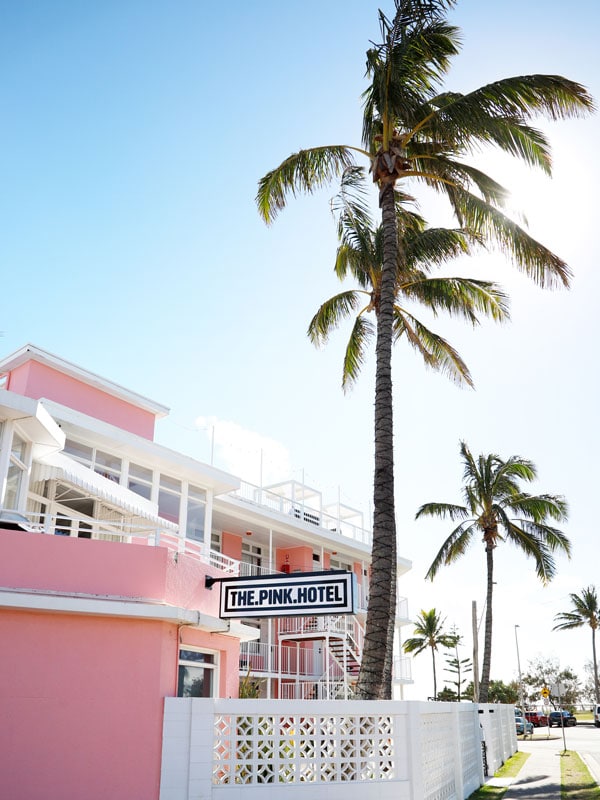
539	778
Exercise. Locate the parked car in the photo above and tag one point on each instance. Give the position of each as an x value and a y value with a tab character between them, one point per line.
597	716
13	521
522	726
537	719
568	720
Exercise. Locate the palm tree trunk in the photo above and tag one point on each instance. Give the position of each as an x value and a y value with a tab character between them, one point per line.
434	675
595	662
487	644
374	681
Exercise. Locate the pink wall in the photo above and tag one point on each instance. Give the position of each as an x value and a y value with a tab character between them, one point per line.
231	545
298	558
40	561
82	705
36	380
81	696
63	563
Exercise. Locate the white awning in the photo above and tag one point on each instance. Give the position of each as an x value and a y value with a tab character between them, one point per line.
58	466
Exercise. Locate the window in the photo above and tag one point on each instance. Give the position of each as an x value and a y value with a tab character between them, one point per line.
80	452
140	480
104	464
339	563
196	507
197	674
252	555
108	466
169	498
17	468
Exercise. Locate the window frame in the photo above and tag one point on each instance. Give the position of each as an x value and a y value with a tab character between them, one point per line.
211	667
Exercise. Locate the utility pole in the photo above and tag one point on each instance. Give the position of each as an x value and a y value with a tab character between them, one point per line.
475	653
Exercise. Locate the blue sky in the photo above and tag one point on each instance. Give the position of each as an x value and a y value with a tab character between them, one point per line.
133	137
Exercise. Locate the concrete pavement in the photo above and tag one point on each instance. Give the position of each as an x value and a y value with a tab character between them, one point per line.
539	778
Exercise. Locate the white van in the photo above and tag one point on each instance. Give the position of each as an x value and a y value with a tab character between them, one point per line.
597	716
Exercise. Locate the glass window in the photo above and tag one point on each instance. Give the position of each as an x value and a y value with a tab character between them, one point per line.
170	484
19	447
13	486
107	465
169	498
140	480
195	513
16	470
80	452
197	674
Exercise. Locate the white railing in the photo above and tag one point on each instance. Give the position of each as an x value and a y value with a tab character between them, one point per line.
320	689
402	608
301	512
258	657
402	669
342	625
228	748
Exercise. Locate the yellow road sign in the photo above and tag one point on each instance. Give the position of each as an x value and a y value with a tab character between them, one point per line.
545	692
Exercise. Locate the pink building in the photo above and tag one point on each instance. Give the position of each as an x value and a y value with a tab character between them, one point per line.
106	540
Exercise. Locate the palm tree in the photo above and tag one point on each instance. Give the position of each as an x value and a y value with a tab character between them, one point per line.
412	131
429	633
585	611
360	256
497	509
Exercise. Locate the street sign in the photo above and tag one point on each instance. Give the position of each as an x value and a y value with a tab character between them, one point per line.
558	689
545	692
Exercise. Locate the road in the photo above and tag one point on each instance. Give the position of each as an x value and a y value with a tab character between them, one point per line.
584	738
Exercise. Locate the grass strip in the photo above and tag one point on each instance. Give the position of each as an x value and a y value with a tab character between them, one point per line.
576	781
509	769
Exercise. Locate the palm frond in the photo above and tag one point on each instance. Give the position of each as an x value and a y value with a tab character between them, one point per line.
442	510
302	172
362	332
568	621
538	507
529	256
429	247
585	611
464	297
524	96
351	204
532	539
436	352
330	314
455	546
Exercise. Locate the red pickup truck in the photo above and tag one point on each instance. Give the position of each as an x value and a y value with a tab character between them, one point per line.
537	720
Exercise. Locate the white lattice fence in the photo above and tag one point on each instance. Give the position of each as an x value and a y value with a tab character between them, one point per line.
247	749
302	748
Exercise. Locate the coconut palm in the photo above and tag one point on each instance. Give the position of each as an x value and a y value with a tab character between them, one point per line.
360	256
585	611
497	510
429	633
412	131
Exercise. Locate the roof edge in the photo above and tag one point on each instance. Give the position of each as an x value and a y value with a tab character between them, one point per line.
30	352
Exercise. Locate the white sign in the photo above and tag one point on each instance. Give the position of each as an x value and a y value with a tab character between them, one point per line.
313	593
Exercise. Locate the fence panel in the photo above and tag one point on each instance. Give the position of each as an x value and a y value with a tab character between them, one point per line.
228	749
